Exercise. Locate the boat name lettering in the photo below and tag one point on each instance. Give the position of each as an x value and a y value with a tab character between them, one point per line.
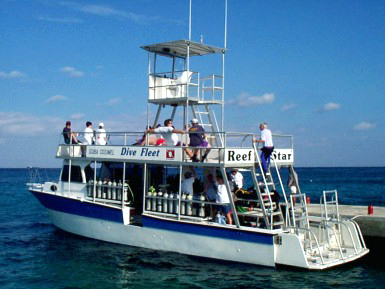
128	152
93	151
106	152
282	156
149	153
232	156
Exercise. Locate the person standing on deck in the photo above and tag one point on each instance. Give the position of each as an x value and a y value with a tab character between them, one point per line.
88	133
101	136
292	182
268	146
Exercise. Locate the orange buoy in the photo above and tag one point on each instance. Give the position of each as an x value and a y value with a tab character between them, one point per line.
307	200
370	210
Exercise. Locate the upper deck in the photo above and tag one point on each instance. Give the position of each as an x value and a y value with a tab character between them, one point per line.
237	151
175	83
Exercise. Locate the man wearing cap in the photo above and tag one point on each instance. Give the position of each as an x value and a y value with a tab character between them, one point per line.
69	135
268	146
101	136
197	139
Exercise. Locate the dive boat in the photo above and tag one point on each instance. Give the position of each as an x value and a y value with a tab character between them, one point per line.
131	192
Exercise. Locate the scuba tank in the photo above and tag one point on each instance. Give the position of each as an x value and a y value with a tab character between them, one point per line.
176	203
148	201
125	191
182	204
159	201
220	219
189	205
113	190
202	206
90	188
119	190
165	202
109	190
99	189
170	203
153	201
104	190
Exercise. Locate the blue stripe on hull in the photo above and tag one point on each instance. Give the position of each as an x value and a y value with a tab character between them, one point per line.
210	231
76	207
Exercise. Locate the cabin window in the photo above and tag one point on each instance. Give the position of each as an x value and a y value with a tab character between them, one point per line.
76	174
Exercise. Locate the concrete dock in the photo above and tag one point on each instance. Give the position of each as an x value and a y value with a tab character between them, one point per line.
371	225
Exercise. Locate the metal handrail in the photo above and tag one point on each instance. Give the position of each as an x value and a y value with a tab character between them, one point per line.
297	229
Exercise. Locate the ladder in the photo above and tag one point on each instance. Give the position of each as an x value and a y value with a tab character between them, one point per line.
208	121
329	205
265	187
298	206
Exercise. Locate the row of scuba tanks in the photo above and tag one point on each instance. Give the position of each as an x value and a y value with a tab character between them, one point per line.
107	190
169	203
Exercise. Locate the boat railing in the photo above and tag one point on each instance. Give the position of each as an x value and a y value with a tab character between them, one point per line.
235	148
310	240
212	88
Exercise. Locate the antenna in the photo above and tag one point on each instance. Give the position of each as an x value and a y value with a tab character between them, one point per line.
189	23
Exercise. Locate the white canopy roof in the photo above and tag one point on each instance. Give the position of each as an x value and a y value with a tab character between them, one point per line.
178	48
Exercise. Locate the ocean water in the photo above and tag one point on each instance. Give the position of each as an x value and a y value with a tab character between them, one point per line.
35	254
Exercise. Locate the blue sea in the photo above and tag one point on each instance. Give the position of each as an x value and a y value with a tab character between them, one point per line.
35	254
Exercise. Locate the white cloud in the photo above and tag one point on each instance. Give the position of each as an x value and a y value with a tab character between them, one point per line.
331	106
20	124
245	99
77	116
364	126
288	106
109	11
72	72
113	101
60	20
12	74
56	98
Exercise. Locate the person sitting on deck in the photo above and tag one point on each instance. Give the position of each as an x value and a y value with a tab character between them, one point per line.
168	132
69	135
197	139
151	140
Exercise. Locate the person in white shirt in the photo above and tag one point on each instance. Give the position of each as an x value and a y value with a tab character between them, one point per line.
88	133
101	136
268	146
168	132
222	197
237	178
188	181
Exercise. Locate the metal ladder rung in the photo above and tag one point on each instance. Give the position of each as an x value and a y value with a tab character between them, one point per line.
263	184
298	195
258	174
202	112
278	223
266	194
301	218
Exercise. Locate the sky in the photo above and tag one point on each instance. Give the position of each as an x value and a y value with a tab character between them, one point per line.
311	69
